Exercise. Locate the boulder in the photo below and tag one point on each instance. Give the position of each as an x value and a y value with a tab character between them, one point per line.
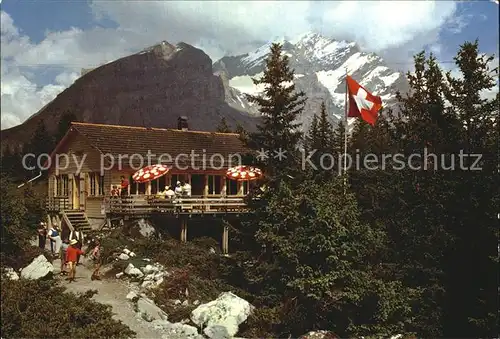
148	269
131	295
160	275
126	251
149	277
149	311
39	268
321	334
147	283
11	274
123	256
132	254
176	330
145	228
133	271
119	275
222	316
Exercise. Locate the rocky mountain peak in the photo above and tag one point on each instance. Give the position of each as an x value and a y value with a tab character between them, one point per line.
150	88
320	65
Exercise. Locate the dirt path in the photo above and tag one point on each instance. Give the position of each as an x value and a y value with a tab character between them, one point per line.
112	292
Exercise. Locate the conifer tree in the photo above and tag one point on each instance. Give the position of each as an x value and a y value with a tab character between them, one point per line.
325	130
473	301
280	106
6	160
321	255
223	127
311	141
339	138
41	143
439	217
320	141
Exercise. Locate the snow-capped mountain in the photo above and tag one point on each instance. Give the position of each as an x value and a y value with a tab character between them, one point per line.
320	66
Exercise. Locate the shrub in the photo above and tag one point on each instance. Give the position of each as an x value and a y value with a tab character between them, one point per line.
21	211
38	309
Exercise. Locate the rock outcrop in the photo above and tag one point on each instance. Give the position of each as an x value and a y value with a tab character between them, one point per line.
10	273
220	318
151	88
39	268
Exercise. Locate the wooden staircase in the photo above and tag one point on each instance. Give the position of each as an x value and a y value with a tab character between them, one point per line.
77	220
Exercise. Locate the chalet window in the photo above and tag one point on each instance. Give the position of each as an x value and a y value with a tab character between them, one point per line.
62	186
231	187
93	184
96	184
101	184
214	184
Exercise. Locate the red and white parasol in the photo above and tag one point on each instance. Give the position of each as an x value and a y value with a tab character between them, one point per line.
149	173
244	173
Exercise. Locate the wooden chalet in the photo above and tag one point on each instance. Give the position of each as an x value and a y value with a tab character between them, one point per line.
91	158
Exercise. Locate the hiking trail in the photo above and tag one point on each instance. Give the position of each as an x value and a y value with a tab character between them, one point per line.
110	291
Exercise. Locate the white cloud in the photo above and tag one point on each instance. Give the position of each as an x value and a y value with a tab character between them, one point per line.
20	95
239	25
396	29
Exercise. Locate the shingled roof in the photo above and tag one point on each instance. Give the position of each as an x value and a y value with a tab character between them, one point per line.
116	140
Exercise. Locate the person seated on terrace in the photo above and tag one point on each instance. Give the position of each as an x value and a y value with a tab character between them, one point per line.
186	189
178	189
114	191
167	193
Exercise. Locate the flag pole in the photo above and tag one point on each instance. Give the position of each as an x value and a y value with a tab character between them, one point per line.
345	130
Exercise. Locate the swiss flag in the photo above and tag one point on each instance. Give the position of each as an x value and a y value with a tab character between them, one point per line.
362	103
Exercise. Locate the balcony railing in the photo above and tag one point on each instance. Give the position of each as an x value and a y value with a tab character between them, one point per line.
58	204
144	204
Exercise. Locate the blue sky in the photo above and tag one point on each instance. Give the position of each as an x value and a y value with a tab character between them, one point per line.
46	43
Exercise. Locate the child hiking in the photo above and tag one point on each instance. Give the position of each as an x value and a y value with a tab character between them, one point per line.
96	258
72	254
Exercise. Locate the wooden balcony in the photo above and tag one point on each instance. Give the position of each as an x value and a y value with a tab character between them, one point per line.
58	204
143	205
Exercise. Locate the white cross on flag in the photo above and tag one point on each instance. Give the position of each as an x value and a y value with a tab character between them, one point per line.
362	103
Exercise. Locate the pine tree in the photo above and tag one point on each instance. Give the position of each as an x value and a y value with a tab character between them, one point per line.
414	221
280	106
11	165
310	141
325	130
320	141
339	138
473	301
435	214
41	143
64	125
223	127
319	253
